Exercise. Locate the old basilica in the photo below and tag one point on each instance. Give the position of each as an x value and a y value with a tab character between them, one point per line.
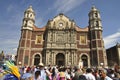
61	41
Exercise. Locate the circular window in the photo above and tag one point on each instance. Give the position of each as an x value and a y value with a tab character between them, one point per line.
60	24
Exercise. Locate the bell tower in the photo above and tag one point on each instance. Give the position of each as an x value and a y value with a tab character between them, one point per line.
24	48
98	54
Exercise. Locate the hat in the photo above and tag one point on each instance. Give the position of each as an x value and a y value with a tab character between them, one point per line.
41	64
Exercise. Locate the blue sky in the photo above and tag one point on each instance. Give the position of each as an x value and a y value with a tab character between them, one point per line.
12	11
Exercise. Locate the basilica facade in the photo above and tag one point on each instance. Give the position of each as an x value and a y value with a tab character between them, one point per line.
61	41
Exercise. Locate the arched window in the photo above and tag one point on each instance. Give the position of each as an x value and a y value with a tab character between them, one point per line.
30	15
60	59
96	14
84	58
36	59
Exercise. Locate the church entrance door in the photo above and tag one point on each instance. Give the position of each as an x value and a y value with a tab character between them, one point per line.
37	59
60	59
85	60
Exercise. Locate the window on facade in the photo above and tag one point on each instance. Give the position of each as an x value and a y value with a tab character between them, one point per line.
30	15
38	39
94	44
25	23
83	39
98	35
97	23
85	60
26	60
27	15
93	35
37	59
96	15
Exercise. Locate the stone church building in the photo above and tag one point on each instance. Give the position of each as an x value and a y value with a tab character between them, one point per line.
61	41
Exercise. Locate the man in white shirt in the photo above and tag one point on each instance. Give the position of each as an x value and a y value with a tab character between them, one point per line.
89	75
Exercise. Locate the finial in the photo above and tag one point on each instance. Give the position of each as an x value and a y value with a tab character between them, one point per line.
93	8
61	14
30	8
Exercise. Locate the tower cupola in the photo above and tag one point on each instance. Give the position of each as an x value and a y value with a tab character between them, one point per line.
95	19
29	18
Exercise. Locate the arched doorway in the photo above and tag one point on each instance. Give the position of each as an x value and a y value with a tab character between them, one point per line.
60	59
84	59
36	59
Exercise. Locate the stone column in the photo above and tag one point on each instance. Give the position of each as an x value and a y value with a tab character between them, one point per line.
53	57
55	37
49	36
75	58
68	57
47	58
72	57
105	58
65	58
88	61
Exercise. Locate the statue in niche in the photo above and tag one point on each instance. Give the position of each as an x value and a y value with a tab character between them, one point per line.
39	39
83	39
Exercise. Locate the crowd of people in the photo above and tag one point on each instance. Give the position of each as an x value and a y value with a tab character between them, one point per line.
42	72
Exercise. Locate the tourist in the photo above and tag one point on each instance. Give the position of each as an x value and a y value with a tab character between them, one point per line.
78	72
104	75
43	73
62	73
27	75
89	75
37	75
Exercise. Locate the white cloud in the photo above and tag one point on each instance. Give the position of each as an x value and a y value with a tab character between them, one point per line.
111	39
67	5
